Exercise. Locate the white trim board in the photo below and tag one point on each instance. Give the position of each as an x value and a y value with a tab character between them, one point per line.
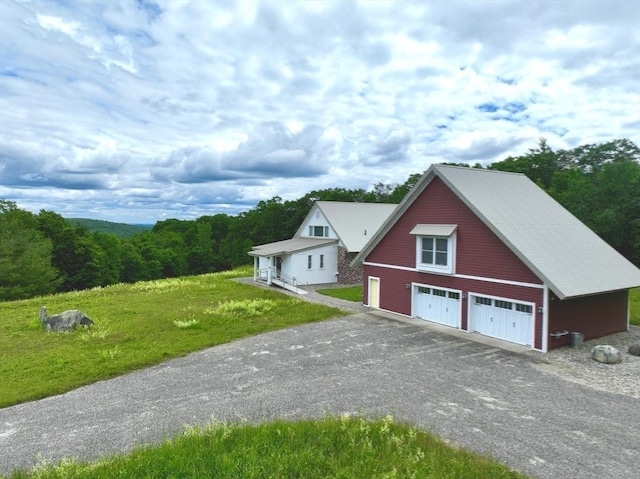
461	276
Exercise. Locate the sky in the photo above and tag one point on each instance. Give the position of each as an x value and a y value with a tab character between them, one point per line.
136	111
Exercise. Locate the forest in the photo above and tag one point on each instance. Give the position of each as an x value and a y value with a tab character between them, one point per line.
45	253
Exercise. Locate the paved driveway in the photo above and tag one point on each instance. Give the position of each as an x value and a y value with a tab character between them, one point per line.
483	398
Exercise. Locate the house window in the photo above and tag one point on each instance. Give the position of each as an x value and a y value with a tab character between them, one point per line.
479	300
309	261
435	254
503	304
321	261
320	231
435	251
439	292
524	308
435	247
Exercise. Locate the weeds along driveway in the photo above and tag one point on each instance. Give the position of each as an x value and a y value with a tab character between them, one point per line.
486	399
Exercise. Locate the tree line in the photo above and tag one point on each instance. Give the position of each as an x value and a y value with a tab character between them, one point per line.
44	253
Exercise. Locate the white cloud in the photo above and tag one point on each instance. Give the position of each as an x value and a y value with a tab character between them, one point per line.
140	110
55	23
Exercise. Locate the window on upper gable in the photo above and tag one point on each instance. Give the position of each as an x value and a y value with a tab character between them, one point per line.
435	251
435	248
319	231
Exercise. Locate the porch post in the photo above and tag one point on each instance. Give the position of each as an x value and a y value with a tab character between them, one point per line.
256	268
269	271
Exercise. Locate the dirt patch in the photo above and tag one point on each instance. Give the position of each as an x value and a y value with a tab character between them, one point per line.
576	365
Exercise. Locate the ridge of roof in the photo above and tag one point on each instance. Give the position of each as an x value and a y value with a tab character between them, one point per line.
353	229
440	166
561	250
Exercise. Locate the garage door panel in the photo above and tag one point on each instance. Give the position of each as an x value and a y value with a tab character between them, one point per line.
502	319
435	304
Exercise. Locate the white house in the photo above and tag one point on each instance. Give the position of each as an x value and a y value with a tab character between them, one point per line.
322	249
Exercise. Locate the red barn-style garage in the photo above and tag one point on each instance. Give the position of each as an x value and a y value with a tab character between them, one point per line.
490	252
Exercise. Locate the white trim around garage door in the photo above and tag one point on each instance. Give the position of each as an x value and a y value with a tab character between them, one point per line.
436	304
515	324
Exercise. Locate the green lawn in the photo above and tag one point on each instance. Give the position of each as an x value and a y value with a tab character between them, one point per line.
344	447
350	293
136	325
634	306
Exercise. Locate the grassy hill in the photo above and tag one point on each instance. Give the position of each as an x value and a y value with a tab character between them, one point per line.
121	230
136	325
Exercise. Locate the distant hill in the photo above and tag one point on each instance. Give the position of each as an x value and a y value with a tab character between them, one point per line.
121	230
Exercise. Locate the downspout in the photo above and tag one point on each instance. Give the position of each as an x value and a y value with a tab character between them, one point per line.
545	318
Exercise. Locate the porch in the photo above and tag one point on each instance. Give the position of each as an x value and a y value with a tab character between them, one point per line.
273	276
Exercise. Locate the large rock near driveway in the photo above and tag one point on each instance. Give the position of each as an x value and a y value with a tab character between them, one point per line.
606	354
634	349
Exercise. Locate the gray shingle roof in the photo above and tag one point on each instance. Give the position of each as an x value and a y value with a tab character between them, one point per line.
561	250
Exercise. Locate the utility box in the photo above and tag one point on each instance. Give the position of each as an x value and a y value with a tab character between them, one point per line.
576	340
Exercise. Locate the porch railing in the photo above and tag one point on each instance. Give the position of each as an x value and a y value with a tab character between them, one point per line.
290	280
263	275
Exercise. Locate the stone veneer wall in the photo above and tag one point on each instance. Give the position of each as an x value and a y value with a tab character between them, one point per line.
346	273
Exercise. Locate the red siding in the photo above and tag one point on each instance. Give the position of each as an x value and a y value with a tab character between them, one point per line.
396	296
593	316
479	252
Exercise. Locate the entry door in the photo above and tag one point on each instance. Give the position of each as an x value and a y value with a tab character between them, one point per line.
502	319
374	292
438	305
278	266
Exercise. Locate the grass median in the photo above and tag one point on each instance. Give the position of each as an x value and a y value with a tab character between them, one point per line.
350	293
333	447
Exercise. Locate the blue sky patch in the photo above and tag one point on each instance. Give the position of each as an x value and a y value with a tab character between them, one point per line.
488	108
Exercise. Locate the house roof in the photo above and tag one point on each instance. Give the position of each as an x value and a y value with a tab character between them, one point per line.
289	246
354	223
561	250
433	230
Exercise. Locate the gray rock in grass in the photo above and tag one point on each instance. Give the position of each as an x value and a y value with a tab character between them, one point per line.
65	321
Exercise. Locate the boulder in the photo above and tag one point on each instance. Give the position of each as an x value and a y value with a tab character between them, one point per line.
606	354
634	349
65	321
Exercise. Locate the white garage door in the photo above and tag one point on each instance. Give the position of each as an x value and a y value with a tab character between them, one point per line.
437	305
502	319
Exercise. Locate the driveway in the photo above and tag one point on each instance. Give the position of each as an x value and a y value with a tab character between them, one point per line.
477	396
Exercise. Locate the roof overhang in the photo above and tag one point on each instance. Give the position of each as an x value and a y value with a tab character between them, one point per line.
433	230
289	246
